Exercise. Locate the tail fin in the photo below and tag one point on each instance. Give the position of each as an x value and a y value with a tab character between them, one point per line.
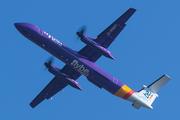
148	93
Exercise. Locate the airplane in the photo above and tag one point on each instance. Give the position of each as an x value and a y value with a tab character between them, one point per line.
83	63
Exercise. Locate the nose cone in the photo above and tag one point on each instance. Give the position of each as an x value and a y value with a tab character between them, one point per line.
19	26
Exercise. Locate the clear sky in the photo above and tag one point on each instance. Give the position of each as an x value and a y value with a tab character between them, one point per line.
146	49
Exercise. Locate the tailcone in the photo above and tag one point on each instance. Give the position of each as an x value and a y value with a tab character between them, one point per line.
138	102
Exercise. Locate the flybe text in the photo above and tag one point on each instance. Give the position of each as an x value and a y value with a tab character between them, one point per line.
80	68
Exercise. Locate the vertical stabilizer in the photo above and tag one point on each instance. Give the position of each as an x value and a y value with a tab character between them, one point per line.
148	93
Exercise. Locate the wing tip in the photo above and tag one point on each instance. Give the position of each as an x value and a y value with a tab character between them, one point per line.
33	106
132	9
167	76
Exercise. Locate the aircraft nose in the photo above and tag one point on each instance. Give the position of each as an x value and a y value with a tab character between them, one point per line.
19	26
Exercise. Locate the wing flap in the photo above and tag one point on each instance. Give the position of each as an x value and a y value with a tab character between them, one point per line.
70	72
90	53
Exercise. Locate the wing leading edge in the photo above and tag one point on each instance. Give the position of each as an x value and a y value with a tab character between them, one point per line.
107	36
55	85
52	88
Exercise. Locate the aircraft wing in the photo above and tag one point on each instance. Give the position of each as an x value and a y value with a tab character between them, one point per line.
55	86
71	72
107	36
52	88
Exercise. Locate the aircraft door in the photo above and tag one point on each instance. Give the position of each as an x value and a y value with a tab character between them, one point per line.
115	80
40	31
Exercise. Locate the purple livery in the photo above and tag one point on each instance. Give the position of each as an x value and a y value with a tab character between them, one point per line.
81	62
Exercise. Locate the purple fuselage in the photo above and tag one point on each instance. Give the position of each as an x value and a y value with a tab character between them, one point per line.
76	61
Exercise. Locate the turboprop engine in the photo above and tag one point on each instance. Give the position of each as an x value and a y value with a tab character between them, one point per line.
57	72
91	43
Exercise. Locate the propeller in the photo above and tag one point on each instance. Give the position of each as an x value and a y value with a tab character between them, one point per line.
49	62
81	31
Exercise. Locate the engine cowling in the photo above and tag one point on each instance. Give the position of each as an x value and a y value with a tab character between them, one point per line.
91	43
57	72
73	83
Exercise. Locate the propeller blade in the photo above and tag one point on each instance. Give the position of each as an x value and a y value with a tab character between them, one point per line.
81	31
49	62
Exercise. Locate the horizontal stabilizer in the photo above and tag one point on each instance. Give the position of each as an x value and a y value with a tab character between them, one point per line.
148	94
158	84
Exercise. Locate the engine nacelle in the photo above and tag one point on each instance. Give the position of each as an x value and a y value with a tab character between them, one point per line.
53	69
57	72
73	83
91	43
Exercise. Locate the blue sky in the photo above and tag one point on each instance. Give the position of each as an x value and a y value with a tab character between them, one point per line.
146	49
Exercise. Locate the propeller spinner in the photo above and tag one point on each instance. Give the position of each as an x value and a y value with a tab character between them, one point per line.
81	31
50	61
